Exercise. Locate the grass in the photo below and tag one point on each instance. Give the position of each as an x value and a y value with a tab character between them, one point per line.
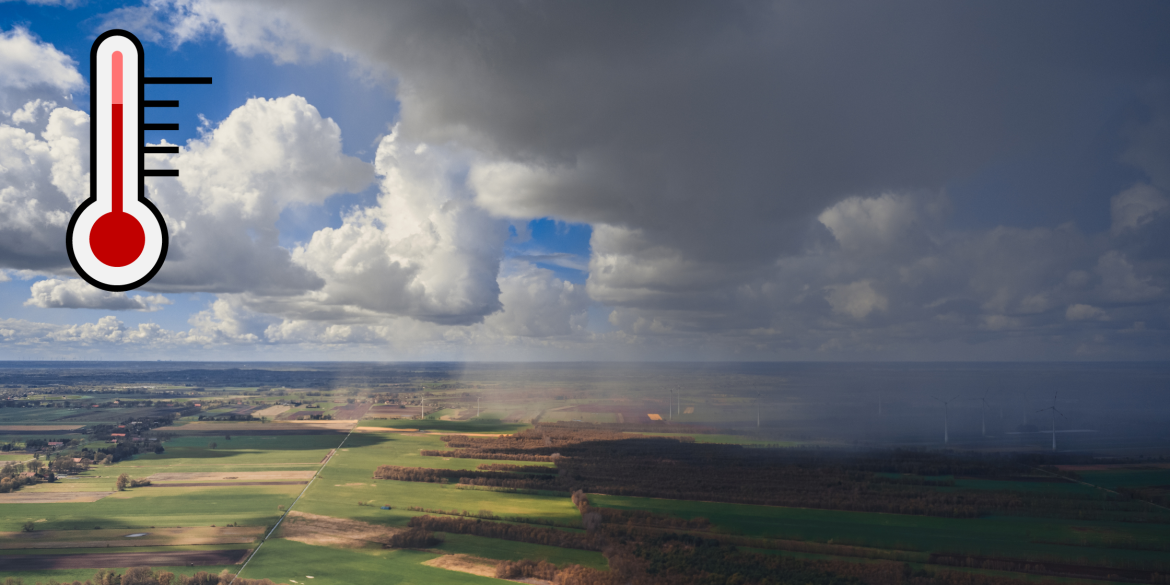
32	416
1050	487
483	425
725	439
127	549
80	416
355	463
225	454
284	560
491	548
998	536
271	443
1127	477
143	508
71	575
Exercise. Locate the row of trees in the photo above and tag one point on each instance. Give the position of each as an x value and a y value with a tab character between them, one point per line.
125	481
680	559
898	481
488	515
479	454
14	476
516	468
593	517
429	475
504	531
414	538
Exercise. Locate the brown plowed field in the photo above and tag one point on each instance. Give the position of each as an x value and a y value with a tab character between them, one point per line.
117	560
329	531
352	411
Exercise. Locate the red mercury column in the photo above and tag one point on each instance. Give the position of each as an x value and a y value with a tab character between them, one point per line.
117	239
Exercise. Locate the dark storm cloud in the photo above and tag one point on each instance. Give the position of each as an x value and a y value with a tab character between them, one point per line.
711	144
693	120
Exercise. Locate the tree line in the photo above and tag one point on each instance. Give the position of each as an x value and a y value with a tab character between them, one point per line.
516	468
479	454
429	475
680	559
504	531
895	481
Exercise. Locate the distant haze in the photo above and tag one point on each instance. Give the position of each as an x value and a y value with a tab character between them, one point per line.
1109	409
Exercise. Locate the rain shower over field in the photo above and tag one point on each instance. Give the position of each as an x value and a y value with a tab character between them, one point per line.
585	473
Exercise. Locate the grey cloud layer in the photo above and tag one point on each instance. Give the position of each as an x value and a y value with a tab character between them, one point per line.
761	177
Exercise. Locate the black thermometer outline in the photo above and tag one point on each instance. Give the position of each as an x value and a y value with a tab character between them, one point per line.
95	114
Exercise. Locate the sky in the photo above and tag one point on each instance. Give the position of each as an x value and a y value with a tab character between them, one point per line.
679	181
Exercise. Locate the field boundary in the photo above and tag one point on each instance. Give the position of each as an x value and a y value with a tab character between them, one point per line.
253	552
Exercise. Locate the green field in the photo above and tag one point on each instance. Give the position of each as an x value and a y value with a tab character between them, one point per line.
345	489
331	495
491	548
483	425
72	416
143	508
1127	477
32	416
999	536
128	549
226	454
1052	487
71	575
284	560
271	443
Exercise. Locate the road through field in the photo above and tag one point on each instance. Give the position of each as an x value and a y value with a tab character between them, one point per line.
292	505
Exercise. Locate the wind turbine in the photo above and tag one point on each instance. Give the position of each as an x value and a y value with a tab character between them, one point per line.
477	406
757	410
984	400
946	418
1054	413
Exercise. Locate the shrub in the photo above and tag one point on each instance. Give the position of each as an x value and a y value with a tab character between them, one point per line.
415	538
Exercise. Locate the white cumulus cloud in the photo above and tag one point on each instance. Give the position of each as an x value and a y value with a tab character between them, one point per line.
424	251
232	186
75	293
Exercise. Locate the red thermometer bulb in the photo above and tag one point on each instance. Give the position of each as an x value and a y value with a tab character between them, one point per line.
117	239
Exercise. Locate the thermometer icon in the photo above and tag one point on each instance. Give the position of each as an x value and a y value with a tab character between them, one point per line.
117	240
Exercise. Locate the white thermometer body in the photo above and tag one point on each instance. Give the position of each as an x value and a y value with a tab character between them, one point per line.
117	239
